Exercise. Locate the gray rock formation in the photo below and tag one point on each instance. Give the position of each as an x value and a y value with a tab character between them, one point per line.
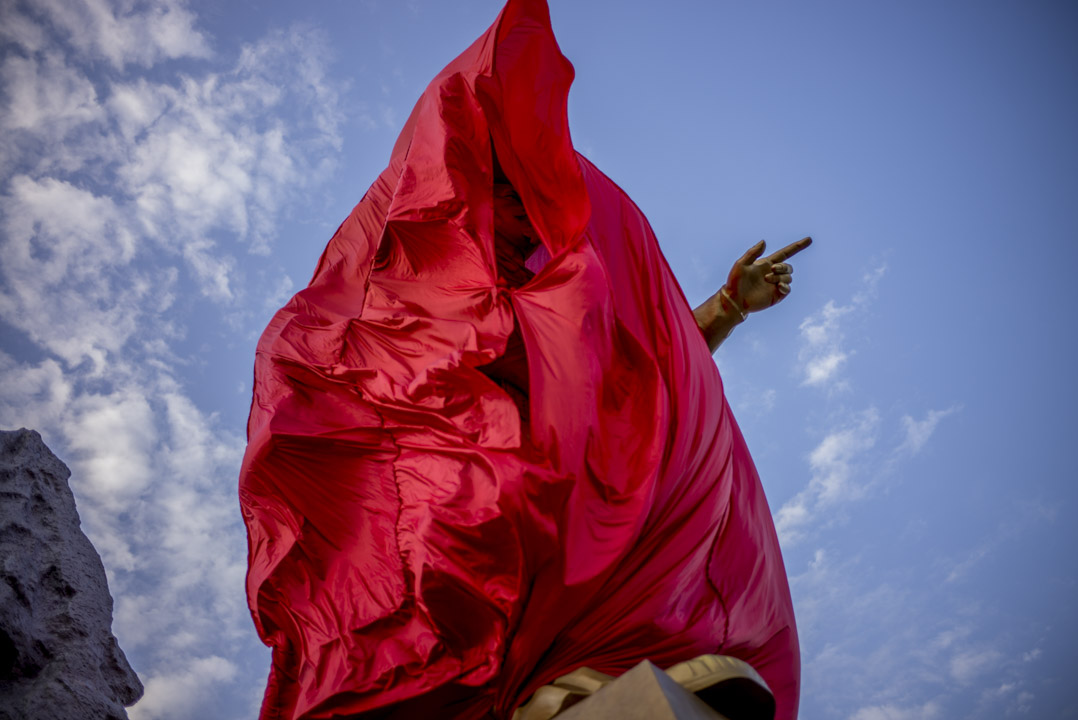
58	657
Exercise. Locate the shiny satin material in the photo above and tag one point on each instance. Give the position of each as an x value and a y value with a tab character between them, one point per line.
488	444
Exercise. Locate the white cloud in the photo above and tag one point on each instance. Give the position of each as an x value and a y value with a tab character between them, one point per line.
185	603
999	693
17	30
213	271
846	659
823	354
126	198
111	437
123	33
61	231
792	517
879	650
214	157
154	478
46	92
919	431
180	692
136	106
834	463
964	566
1023	703
947	638
33	396
280	293
1022	517
928	711
832	459
194	159
820	369
967	666
299	52
61	245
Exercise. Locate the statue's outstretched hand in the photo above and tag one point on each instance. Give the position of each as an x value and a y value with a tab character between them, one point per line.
756	283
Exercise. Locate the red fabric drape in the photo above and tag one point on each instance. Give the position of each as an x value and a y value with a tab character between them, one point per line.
488	444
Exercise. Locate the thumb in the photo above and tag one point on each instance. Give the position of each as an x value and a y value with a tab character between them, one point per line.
753	253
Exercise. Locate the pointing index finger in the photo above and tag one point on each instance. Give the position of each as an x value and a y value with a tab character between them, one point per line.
790	250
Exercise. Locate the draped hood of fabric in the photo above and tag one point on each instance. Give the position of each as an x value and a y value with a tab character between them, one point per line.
488	444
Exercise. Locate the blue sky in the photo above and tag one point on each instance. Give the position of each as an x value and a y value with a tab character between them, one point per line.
170	171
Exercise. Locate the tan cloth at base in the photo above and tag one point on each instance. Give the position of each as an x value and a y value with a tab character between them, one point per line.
694	675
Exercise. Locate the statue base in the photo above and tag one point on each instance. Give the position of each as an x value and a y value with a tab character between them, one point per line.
644	693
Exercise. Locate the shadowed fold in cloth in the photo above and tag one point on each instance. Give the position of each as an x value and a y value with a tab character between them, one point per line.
488	444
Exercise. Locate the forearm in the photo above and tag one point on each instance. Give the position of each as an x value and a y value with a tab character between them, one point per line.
717	317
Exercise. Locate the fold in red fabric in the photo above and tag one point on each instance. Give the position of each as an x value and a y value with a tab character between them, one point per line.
488	444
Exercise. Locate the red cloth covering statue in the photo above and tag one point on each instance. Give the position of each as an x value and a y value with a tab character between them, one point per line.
488	443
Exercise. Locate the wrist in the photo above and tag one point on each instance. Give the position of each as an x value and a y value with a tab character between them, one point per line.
717	318
731	307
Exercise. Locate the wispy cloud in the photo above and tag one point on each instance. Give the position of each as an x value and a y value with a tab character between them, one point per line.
178	693
129	191
967	666
928	711
64	251
832	459
46	93
844	467
824	351
161	30
834	464
182	161
1029	514
881	661
890	648
846	463
918	432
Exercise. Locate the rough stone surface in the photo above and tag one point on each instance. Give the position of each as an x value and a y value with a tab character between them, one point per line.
58	657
